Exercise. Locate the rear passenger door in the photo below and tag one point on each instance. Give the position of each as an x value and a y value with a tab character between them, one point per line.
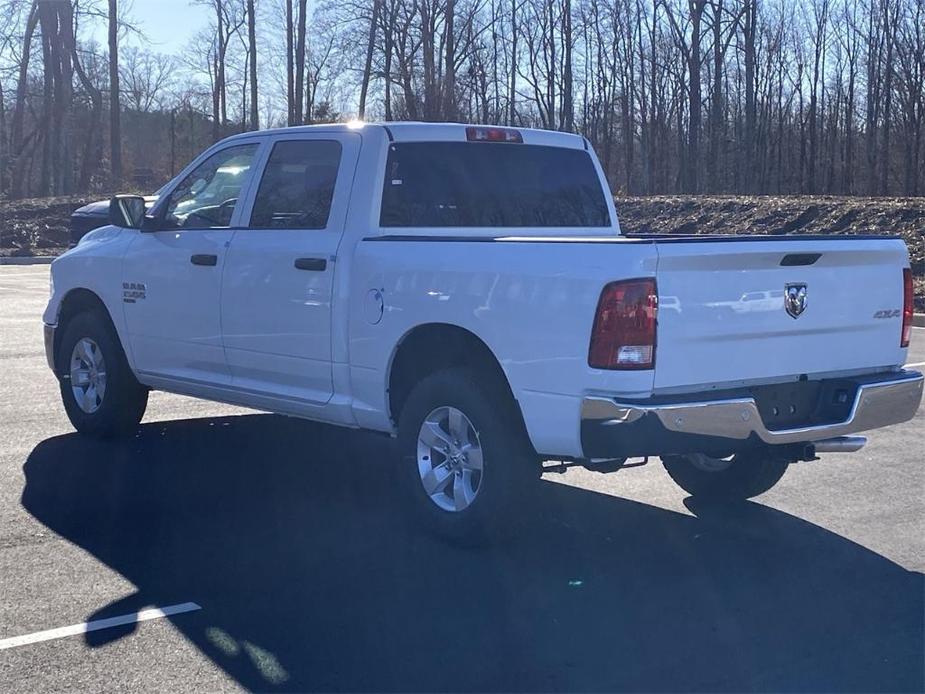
279	273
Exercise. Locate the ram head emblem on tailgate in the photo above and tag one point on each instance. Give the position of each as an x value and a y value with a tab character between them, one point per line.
795	298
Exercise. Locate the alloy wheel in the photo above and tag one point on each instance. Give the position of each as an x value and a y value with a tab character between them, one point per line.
449	459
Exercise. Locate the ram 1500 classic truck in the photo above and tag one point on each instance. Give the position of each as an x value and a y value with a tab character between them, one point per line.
468	290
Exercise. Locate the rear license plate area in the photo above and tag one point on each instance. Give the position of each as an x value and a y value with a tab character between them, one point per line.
804	403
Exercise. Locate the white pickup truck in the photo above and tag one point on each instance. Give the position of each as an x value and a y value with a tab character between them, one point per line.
468	290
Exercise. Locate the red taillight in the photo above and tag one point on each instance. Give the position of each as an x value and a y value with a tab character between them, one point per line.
493	135
623	336
908	308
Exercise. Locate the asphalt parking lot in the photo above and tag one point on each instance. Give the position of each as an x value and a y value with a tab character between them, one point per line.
288	537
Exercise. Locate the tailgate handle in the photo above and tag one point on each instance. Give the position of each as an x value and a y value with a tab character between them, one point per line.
316	264
797	259
204	259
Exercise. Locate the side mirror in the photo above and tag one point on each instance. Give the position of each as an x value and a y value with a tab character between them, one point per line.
127	211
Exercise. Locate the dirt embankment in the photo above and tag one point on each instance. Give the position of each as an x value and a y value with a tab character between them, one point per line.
796	215
37	226
40	226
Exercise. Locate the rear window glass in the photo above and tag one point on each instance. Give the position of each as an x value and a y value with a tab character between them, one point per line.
463	184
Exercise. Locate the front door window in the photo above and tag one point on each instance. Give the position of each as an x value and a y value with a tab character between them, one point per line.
206	198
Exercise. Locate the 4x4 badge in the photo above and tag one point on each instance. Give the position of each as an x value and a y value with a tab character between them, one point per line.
795	298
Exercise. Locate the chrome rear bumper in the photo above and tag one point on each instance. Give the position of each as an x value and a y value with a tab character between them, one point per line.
877	404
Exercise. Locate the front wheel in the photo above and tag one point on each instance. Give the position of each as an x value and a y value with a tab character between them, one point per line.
99	390
465	462
736	478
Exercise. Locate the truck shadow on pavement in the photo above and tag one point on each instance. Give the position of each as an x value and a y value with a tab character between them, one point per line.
291	538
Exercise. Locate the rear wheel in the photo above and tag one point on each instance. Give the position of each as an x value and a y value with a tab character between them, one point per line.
465	462
735	478
101	396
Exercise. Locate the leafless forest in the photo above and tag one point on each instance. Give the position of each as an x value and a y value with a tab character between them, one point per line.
677	96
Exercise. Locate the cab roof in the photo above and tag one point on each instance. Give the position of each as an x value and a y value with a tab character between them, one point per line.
412	131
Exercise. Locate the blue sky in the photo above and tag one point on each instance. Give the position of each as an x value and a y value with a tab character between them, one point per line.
169	25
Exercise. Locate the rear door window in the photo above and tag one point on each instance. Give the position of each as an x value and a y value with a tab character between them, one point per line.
468	184
297	185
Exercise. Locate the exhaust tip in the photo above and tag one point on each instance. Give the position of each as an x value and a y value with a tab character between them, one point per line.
840	444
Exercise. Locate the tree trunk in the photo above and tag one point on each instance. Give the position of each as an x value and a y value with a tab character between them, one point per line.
716	102
389	40
56	21
889	36
173	142
290	90
551	77
4	149
368	65
18	180
216	100
873	99
428	66
252	47
449	68
192	131
512	95
848	171
818	56
567	112
93	143
299	80
749	25
694	106
221	47
115	119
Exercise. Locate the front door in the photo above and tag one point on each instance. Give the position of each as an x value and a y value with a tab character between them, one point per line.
172	275
279	273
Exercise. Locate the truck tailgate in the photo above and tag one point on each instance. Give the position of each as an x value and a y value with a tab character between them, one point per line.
723	320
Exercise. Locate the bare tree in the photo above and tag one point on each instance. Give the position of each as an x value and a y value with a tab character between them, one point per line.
92	141
688	36
18	139
115	120
299	105
910	48
252	64
368	65
145	75
675	95
56	20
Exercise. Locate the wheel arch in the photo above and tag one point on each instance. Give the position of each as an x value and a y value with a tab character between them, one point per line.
431	347
79	300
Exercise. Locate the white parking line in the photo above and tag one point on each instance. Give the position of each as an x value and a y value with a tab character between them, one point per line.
918	363
97	624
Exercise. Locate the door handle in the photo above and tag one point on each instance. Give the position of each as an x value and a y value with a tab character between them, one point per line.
204	259
316	264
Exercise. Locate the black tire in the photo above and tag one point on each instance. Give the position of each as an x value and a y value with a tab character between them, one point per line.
124	400
510	470
749	474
